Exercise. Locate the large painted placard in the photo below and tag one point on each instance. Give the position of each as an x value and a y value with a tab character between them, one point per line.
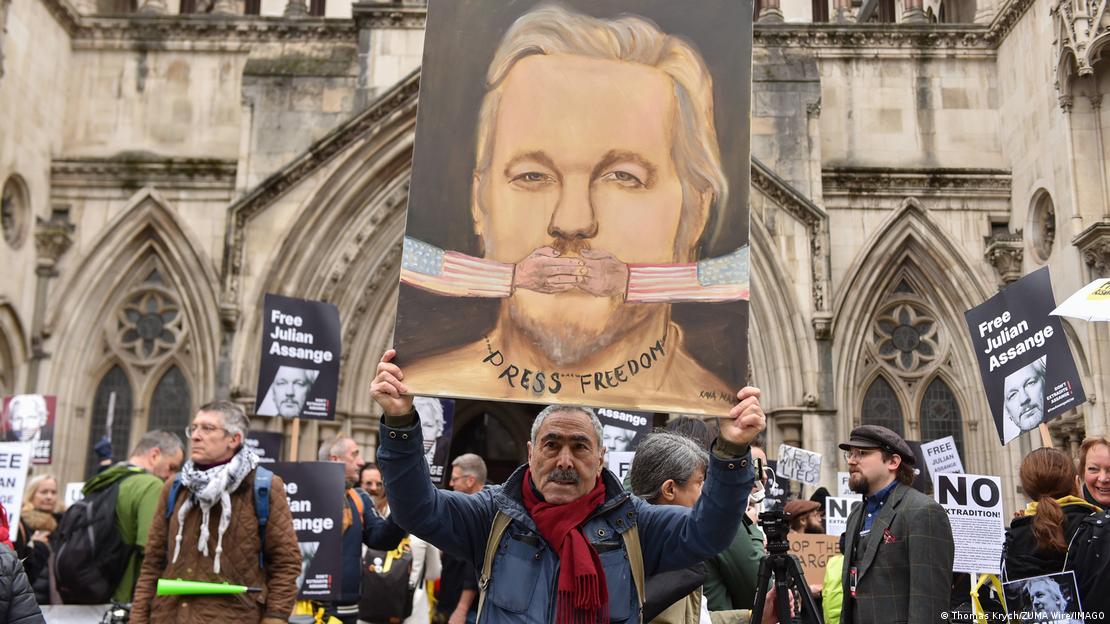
578	214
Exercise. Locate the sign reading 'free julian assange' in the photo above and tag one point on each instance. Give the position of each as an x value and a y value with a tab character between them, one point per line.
298	375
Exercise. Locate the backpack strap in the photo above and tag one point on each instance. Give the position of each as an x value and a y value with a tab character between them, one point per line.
174	489
263	479
631	539
500	523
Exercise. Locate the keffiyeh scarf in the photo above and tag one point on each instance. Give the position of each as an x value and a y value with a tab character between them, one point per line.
208	487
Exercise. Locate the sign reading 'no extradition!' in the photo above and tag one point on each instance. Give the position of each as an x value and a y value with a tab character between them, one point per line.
1028	372
299	372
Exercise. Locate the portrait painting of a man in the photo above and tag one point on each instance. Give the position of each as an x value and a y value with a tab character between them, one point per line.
599	202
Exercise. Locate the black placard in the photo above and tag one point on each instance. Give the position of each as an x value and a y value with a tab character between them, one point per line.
266	444
30	418
437	420
299	371
316	491
1024	360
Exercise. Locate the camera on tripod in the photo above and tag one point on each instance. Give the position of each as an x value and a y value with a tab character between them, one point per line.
776	525
787	573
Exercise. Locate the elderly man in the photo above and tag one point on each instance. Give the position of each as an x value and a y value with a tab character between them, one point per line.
211	532
898	551
597	172
561	540
361	525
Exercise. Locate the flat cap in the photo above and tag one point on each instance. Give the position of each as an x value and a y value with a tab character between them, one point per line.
874	436
796	508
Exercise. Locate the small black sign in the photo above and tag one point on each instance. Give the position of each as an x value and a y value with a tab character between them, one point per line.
316	498
299	371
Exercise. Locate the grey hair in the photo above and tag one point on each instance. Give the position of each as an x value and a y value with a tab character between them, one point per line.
555	409
551	29
232	416
664	455
160	439
333	447
471	464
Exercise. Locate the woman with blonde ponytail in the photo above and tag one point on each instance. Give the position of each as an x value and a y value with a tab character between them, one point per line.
1037	541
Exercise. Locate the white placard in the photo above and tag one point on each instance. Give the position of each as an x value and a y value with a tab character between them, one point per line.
74	493
942	456
15	460
799	464
837	510
842	488
620	462
974	506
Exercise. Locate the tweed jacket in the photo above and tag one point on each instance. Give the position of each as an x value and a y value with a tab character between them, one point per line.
904	563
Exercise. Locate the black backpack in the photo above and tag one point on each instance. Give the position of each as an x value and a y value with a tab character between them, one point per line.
386	597
90	556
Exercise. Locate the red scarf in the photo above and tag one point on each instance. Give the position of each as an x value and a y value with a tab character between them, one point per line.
582	595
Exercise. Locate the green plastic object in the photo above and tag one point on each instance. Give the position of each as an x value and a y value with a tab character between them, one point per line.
178	587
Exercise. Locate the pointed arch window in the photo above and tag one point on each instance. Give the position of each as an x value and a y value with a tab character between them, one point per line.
940	414
881	406
170	404
112	394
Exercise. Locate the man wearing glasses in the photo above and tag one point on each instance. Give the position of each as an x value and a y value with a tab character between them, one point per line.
898	545
210	532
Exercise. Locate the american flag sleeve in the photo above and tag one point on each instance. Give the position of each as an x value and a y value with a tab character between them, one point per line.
725	278
453	274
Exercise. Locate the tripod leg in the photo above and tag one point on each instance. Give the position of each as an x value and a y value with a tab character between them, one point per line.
798	581
762	582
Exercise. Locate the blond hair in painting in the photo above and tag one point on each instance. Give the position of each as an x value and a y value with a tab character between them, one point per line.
551	30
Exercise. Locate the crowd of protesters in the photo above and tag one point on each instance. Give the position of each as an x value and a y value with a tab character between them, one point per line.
562	540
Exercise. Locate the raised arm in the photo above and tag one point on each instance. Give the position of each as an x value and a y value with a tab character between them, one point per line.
455	522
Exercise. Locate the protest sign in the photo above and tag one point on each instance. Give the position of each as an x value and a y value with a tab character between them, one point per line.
799	464
813	551
266	444
74	492
15	459
631	308
837	510
779	489
842	487
942	457
621	434
299	371
316	499
1025	362
974	507
1048	599
30	418
437	419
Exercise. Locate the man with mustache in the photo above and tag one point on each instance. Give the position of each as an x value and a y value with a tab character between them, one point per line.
898	547
561	541
597	173
288	392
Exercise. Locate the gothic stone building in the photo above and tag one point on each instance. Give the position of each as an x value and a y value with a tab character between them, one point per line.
164	165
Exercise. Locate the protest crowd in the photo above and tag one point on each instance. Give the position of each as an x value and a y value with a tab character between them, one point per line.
680	540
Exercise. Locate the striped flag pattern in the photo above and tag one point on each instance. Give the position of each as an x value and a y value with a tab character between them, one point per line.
717	279
452	273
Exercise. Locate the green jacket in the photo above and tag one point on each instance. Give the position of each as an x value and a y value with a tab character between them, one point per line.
138	498
733	573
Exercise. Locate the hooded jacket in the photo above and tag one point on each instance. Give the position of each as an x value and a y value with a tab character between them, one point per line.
135	505
1020	553
17	601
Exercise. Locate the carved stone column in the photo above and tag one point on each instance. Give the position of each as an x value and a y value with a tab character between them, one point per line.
52	239
223	7
1005	253
770	13
913	12
153	7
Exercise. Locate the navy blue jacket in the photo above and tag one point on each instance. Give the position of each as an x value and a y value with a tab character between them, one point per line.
525	568
369	529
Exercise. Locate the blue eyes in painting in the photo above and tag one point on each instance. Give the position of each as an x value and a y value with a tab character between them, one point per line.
623	178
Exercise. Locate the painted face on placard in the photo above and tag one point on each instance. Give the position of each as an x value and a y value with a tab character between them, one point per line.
581	162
